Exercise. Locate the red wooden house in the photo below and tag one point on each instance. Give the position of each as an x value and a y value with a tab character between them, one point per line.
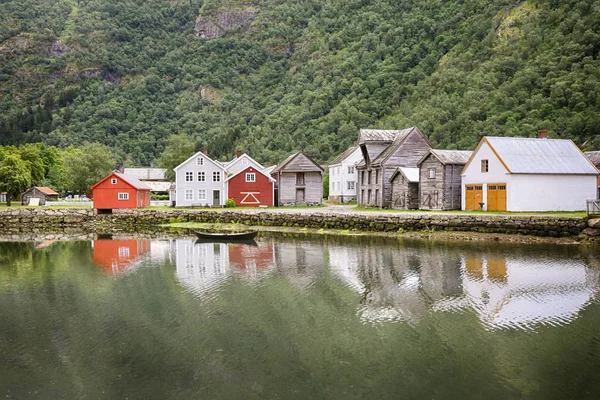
120	191
117	256
251	187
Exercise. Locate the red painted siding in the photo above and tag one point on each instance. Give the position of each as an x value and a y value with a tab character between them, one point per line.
251	194
106	194
116	256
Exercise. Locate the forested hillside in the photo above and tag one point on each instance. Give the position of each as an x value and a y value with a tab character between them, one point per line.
293	75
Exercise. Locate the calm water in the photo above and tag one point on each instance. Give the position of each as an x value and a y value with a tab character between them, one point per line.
298	318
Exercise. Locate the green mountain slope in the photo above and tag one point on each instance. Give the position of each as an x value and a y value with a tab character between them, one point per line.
295	74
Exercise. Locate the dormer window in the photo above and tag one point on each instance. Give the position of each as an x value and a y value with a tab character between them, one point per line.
199	161
484	166
113	181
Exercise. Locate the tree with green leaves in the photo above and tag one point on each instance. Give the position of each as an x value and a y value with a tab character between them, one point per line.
87	165
15	176
180	148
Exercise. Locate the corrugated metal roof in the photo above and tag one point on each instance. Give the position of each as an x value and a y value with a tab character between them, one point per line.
344	155
133	181
153	174
594	157
158	186
456	157
400	136
541	156
377	135
411	174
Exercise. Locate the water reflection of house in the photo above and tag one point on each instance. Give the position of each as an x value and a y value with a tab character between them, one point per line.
118	256
299	262
343	262
251	260
201	266
521	292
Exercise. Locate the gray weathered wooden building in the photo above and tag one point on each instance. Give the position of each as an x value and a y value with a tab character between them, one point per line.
440	180
383	152
299	181
38	192
405	188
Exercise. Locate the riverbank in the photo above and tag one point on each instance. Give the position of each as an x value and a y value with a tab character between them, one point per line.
39	220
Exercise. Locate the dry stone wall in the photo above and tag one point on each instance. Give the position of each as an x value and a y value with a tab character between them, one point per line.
41	220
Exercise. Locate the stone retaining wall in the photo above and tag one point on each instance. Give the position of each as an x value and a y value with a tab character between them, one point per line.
44	220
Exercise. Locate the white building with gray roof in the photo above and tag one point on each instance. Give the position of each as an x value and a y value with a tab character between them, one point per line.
343	175
524	174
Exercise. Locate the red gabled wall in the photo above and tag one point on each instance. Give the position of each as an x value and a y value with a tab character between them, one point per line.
106	194
115	256
238	187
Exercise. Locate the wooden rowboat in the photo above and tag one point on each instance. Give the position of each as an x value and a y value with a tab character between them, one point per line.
226	236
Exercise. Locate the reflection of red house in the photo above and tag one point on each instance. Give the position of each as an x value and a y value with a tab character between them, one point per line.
251	258
116	256
120	191
251	187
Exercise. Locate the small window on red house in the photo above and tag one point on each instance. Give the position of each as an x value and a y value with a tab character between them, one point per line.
250	177
123	196
113	181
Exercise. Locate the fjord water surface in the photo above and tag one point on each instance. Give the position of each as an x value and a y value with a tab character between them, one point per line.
298	317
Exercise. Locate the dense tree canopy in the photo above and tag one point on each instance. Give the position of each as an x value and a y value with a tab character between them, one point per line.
306	76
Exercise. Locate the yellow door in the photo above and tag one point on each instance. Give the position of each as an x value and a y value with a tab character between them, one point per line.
474	196
496	197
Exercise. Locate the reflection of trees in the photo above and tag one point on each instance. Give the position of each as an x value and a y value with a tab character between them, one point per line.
82	334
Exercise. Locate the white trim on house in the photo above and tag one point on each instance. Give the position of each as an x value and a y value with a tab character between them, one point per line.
187	193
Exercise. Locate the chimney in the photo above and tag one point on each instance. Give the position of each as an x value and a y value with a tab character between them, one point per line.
238	153
205	151
543	134
271	163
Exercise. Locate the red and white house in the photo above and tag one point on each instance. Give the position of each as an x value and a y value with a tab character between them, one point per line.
251	187
120	191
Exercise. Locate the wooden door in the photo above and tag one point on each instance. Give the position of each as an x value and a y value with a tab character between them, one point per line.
299	195
216	198
496	197
474	196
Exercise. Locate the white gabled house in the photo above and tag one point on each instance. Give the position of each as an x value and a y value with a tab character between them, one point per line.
523	174
200	181
343	176
240	163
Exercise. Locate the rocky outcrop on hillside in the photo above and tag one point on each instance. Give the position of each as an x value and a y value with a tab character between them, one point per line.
222	20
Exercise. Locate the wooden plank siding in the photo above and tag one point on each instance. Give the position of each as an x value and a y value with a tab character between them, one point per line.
442	192
405	194
288	182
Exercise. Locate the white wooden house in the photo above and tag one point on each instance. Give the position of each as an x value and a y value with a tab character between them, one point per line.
343	175
200	181
522	174
241	162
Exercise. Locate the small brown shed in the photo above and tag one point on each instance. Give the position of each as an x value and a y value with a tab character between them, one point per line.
440	180
299	181
38	192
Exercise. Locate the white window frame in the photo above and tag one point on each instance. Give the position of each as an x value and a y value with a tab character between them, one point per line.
350	185
189	194
244	161
250	177
200	161
201	176
487	166
124	252
113	181
431	173
202	194
216	176
350	170
189	176
123	196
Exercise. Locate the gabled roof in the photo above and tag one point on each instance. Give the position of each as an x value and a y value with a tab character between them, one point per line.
349	151
594	157
538	156
200	153
269	169
398	140
237	159
449	157
45	190
260	171
292	157
158	186
136	183
150	174
377	135
411	174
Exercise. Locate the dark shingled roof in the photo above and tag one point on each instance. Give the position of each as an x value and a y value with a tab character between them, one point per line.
344	155
290	158
398	140
377	135
449	157
594	157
